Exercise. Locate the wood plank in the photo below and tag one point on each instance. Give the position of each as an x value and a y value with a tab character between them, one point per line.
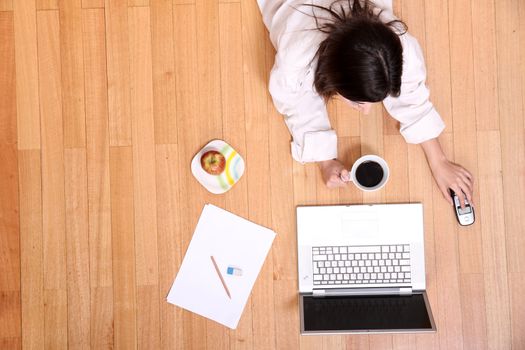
286	316
10	318
209	110
102	317
485	67
380	342
517	309
132	3
31	248
447	265
27	101
438	60
117	46
358	342
77	243
11	343
420	187
522	44
464	117
191	136
511	127
144	187
123	244
47	4
404	342
93	4
170	241
55	318
473	311
53	198
397	190
52	150
257	154
71	54
347	119
231	79
6	5
164	95
99	202
9	207
494	229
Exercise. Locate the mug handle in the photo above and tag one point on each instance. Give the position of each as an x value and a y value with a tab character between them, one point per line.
341	177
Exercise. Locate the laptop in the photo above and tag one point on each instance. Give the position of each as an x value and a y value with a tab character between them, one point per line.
361	269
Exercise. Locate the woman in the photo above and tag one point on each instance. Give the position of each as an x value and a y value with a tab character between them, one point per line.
359	51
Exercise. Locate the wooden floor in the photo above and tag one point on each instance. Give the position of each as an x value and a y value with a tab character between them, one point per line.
104	103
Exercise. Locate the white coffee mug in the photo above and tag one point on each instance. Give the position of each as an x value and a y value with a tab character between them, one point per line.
372	159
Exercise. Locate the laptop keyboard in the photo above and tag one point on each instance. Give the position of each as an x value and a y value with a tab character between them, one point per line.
379	264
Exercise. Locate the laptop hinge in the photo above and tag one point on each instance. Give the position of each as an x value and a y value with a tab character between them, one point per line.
362	291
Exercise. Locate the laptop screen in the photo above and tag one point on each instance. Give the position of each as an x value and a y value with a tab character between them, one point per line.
365	313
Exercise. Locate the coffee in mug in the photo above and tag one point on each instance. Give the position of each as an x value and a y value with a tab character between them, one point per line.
369	173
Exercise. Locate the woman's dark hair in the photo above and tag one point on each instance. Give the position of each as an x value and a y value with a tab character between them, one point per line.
361	59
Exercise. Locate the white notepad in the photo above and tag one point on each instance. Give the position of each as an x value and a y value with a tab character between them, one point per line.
232	241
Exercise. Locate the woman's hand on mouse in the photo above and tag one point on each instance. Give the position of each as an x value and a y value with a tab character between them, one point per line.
453	176
334	173
447	174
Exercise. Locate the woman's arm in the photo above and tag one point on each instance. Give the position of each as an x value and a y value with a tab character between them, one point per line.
447	174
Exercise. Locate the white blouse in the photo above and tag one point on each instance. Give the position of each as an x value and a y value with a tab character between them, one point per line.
295	37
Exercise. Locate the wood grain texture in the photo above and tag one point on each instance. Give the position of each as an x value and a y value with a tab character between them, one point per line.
93	4
447	266
77	245
192	135
47	4
162	52
512	146
31	248
232	91
117	50
347	119
6	5
123	247
464	119
493	228
27	102
517	310
104	103
10	319
144	187
72	59
438	56
98	178
257	146
138	3
485	67
169	241
9	207
209	108
53	197
473	311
